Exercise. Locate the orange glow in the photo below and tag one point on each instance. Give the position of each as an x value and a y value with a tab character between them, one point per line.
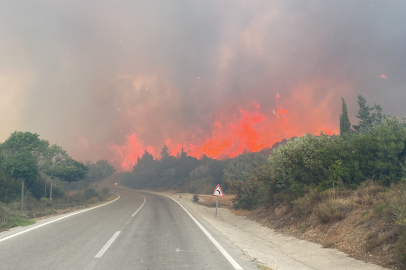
235	132
218	124
129	152
383	76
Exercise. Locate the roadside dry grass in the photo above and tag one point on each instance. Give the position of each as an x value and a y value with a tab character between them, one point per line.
11	216
366	223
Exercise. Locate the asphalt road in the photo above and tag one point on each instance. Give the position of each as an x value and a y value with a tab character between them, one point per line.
138	231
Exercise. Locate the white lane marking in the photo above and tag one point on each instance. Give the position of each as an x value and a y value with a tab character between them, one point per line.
219	247
52	221
107	245
145	199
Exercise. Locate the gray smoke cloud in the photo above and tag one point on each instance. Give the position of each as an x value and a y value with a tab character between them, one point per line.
84	74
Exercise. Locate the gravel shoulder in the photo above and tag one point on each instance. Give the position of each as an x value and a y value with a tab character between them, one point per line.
269	248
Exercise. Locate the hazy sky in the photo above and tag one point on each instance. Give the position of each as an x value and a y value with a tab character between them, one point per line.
86	74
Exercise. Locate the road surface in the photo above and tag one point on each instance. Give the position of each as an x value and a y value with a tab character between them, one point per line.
138	231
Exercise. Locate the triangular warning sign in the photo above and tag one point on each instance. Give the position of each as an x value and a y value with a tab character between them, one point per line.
218	192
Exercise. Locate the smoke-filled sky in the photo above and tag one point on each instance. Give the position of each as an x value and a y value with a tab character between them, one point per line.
109	79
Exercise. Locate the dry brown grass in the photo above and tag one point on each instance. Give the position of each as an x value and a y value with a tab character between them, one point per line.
364	223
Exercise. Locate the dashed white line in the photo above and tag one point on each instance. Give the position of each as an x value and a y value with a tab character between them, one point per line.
107	245
140	207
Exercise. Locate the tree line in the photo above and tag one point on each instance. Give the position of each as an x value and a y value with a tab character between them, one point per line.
186	173
32	163
374	149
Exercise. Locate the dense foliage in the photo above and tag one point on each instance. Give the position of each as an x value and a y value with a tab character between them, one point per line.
99	171
30	165
189	173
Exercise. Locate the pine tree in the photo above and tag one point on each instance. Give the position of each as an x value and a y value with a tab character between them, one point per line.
164	152
345	125
364	115
183	154
377	115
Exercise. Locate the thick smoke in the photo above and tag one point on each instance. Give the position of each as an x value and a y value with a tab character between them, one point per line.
89	75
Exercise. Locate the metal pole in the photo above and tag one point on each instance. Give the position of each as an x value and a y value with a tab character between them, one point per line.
50	193
22	194
217	204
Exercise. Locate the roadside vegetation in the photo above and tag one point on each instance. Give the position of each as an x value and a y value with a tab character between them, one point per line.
188	174
310	186
38	179
12	216
321	183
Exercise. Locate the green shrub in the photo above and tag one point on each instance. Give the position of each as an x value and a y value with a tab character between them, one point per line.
379	208
195	198
372	241
247	194
400	250
79	196
201	186
17	221
105	191
90	193
247	202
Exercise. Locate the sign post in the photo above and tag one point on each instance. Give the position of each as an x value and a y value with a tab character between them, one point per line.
217	193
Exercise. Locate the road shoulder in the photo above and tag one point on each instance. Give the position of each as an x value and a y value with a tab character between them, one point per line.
269	248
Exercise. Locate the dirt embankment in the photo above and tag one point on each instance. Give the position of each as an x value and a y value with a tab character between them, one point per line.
361	234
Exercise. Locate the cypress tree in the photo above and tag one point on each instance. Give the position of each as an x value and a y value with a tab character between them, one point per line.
345	125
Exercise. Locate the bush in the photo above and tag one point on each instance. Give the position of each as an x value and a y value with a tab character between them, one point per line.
105	191
10	188
195	198
400	250
79	196
201	186
90	193
329	211
391	204
247	194
303	206
367	192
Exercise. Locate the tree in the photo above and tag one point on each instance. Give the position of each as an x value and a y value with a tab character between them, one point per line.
303	162
56	161
9	187
241	167
368	120
164	152
72	171
99	171
345	125
23	154
364	115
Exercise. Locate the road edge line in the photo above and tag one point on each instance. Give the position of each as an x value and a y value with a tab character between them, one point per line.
52	221
145	199
214	241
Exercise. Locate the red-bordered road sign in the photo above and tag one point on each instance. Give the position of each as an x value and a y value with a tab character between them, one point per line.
218	192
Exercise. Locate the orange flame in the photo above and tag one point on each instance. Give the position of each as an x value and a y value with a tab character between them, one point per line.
248	130
129	152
